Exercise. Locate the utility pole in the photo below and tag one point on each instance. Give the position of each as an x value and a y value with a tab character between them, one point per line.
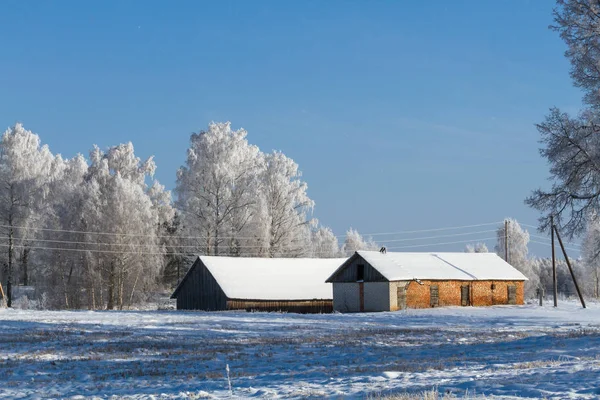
506	240
554	282
570	269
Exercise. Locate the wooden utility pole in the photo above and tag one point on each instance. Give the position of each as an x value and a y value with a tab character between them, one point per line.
554	281
506	240
570	269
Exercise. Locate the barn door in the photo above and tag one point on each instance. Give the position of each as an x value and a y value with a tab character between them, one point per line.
464	295
512	294
401	296
361	296
434	295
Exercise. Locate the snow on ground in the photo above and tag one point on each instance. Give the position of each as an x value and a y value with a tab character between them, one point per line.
503	351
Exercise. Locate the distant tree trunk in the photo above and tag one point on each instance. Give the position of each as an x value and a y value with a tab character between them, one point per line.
63	281
121	285
135	284
111	287
24	264
216	247
91	297
596	282
101	291
10	262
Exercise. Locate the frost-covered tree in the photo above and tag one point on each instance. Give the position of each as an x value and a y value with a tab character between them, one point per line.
476	248
572	147
543	275
62	273
518	252
287	206
518	239
324	243
578	23
591	256
25	171
178	259
218	187
571	144
117	200
354	242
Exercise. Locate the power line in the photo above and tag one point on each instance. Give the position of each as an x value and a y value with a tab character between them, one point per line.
529	225
186	254
110	251
100	233
549	245
120	234
544	237
439	236
440	244
118	244
195	246
427	230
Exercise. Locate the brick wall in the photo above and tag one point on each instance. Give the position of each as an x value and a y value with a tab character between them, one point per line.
481	293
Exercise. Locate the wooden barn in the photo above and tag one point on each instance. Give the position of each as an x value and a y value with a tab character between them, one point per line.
261	284
375	281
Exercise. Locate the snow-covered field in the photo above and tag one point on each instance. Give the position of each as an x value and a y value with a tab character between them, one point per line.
505	351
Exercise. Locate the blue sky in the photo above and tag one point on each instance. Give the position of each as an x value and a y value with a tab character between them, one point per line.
401	115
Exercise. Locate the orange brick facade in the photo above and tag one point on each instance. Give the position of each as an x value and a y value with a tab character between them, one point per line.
481	293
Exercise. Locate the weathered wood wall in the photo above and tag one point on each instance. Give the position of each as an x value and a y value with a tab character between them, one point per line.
349	272
295	306
346	297
200	291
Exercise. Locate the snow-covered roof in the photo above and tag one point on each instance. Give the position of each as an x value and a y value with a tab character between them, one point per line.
441	266
273	278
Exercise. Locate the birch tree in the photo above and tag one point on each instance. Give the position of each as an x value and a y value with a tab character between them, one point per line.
287	205
62	272
325	244
518	240
476	248
518	252
25	168
354	242
591	255
218	187
118	201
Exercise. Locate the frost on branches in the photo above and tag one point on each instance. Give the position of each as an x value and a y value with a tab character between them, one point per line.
218	191
476	248
354	242
571	144
83	233
26	169
237	201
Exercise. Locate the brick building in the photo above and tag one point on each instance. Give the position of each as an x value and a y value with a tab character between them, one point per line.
374	281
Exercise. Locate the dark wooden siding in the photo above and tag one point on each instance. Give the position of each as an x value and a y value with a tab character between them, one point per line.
295	306
349	271
200	291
